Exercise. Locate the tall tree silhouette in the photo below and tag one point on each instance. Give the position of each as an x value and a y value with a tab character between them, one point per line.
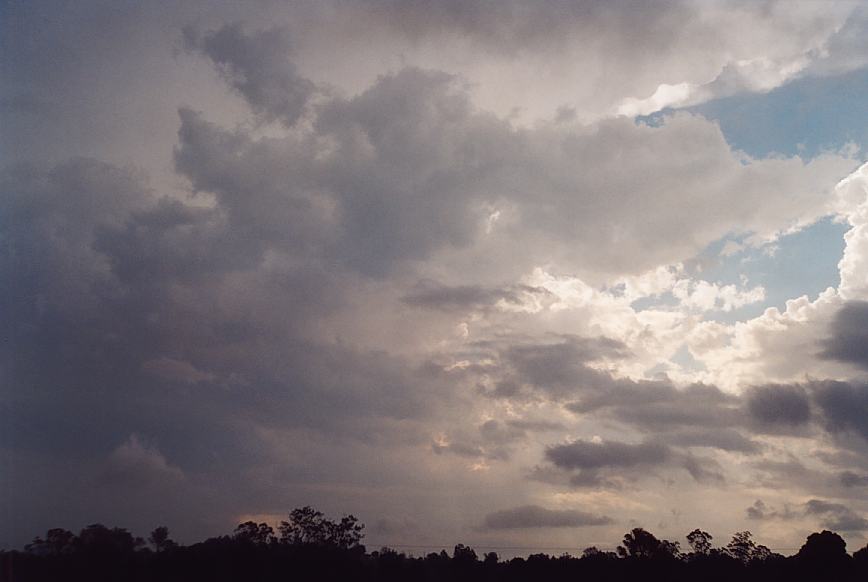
159	539
700	541
639	543
309	526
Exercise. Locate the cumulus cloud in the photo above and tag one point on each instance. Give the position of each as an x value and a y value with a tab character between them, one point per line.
410	167
774	44
258	67
836	516
136	464
534	516
844	406
849	335
396	282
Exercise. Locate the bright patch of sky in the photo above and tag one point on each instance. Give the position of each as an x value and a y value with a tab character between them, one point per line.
803	263
805	118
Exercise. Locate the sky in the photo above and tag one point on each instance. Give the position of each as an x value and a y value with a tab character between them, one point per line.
518	275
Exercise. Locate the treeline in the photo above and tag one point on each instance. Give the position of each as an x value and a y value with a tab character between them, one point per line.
309	546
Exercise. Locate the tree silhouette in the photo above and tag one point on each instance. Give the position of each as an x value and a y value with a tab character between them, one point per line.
640	543
57	542
309	526
98	538
258	534
825	546
744	549
159	538
463	554
317	548
700	541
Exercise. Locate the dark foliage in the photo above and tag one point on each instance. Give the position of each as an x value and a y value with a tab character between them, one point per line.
309	546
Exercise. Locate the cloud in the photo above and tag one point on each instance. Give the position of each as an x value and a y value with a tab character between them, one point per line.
844	406
410	169
849	335
258	67
534	516
431	295
757	510
774	405
598	455
723	439
851	479
135	464
766	53
836	516
659	405
274	297
561	368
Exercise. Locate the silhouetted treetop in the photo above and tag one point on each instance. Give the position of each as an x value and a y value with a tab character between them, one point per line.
309	546
260	534
640	543
825	546
742	548
700	541
159	539
309	526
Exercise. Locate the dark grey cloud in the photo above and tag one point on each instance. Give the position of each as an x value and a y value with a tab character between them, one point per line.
560	368
849	335
500	432
703	469
516	26
851	479
534	516
390	189
606	464
761	511
409	167
695	416
844	406
164	353
773	405
258	66
659	405
598	455
132	314
757	510
836	516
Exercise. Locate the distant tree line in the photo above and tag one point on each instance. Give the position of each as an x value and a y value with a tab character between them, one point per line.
309	546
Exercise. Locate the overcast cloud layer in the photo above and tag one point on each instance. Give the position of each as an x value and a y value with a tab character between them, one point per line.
431	264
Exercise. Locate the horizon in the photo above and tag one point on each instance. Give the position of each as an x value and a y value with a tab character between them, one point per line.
524	274
413	550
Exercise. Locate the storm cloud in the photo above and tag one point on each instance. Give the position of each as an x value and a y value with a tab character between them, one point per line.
420	262
534	516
